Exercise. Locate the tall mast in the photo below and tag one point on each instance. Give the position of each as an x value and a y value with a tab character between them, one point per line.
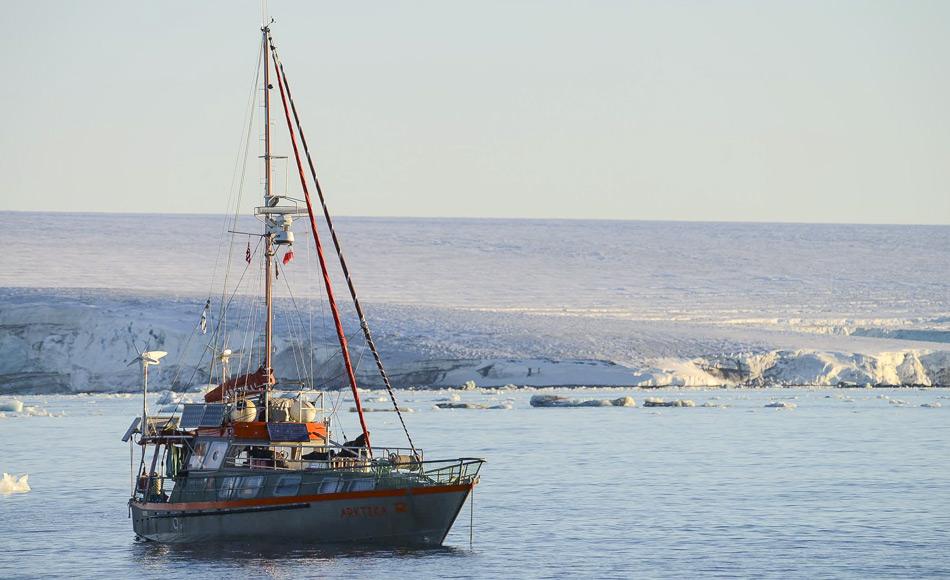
268	236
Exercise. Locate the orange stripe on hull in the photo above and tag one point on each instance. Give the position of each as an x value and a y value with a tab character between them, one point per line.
269	501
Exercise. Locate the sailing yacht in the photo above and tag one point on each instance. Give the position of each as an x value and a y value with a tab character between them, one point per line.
247	464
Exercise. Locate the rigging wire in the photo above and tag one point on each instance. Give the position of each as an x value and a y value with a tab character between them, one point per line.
284	84
221	323
294	335
228	305
242	148
323	266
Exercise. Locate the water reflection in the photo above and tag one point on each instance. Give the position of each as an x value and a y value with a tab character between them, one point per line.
270	556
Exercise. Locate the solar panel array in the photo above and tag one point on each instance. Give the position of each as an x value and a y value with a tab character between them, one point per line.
288	432
191	416
198	415
213	415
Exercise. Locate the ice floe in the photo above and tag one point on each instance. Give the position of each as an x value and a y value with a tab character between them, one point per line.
658	402
13	406
170	398
17	408
781	405
560	401
473	406
13	484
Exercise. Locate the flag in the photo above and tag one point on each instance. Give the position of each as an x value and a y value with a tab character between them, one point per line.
288	256
204	317
247	254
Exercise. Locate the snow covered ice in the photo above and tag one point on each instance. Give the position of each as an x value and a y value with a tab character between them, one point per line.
13	484
526	302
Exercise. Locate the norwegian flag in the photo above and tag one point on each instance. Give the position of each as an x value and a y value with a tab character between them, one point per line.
247	254
288	257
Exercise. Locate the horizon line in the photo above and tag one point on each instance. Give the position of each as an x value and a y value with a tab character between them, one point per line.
496	218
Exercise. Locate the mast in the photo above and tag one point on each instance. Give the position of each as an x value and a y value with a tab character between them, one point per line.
268	236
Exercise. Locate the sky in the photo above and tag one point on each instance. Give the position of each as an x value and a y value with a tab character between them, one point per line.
792	111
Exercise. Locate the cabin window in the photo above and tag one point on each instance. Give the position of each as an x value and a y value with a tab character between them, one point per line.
197	456
194	487
215	455
330	485
361	484
287	485
195	484
237	456
250	486
228	485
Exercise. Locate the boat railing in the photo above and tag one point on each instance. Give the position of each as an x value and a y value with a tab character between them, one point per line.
281	456
249	483
463	470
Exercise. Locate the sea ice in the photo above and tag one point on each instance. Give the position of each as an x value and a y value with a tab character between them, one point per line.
169	398
472	406
13	484
13	406
559	401
657	402
781	405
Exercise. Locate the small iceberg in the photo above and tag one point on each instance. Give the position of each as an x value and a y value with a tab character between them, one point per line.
167	398
657	402
472	406
934	405
383	410
781	405
13	484
559	401
13	406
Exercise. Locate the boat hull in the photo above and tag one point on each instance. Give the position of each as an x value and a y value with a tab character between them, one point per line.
420	516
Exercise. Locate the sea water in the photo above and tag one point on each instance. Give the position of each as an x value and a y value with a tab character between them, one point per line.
850	483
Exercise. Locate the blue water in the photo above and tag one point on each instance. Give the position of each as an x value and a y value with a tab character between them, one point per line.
855	488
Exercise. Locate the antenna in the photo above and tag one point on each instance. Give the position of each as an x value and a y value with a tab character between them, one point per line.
148	358
223	358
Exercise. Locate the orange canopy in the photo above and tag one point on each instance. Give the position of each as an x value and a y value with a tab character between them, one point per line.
248	384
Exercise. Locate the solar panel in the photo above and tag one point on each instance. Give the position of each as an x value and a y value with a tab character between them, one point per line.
191	416
288	432
213	415
132	429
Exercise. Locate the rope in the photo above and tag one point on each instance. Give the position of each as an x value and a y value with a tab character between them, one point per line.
364	325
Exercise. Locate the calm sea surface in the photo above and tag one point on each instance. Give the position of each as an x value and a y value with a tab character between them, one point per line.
849	484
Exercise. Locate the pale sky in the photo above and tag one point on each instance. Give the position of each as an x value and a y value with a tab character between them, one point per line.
708	110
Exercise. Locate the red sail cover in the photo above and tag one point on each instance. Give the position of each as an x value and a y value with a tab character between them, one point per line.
250	383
